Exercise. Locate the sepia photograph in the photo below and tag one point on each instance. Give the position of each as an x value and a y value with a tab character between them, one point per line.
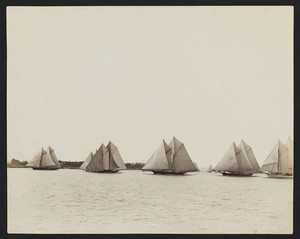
150	119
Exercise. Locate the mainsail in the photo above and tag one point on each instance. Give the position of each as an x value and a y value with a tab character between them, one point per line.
181	159
41	160
289	144
53	157
87	161
96	162
115	159
278	161
229	160
160	158
170	158
250	155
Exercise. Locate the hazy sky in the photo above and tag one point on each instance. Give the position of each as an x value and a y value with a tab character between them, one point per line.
80	76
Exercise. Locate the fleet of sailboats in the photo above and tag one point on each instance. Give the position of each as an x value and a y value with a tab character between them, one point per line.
173	158
170	159
279	162
45	159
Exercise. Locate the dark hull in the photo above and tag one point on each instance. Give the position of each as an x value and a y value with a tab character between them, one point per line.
237	174
105	171
280	176
168	173
35	168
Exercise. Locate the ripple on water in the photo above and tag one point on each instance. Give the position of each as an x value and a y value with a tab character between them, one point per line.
75	201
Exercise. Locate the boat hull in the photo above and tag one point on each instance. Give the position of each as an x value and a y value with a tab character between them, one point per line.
36	168
237	174
105	171
168	173
280	176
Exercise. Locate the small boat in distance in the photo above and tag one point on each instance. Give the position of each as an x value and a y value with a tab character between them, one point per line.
235	162
44	160
279	163
210	168
170	159
106	160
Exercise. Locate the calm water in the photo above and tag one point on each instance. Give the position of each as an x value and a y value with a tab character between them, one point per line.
74	201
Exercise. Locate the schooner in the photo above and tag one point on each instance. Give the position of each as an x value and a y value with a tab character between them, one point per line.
238	161
170	159
44	160
105	160
279	163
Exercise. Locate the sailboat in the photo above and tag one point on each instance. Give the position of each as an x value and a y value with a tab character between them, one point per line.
235	162
44	160
279	163
170	159
86	161
106	160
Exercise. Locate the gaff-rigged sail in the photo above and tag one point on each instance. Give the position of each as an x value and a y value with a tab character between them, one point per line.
159	159
53	156
283	167
181	159
229	160
250	156
96	163
115	159
289	144
245	165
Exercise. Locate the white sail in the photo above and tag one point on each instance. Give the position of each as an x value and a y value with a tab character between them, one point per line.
181	159
271	162
159	160
35	162
87	161
115	155
210	168
251	156
243	162
106	159
53	156
283	167
96	163
46	160
289	144
229	161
